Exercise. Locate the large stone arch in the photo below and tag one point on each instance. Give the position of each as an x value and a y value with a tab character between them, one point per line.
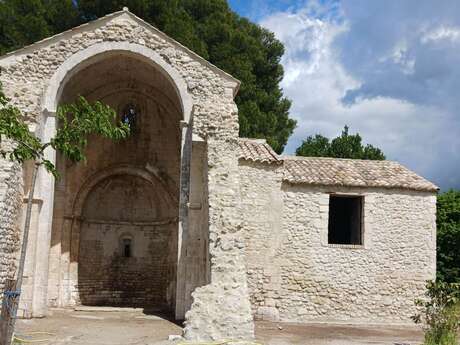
97	51
53	95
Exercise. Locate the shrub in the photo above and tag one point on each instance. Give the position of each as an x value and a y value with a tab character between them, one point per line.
440	313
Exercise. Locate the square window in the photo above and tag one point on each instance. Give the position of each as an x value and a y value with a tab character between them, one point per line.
345	219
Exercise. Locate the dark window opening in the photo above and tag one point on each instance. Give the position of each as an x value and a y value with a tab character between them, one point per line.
129	117
127	248
345	219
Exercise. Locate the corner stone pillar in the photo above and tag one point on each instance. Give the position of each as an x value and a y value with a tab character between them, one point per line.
221	309
37	258
183	220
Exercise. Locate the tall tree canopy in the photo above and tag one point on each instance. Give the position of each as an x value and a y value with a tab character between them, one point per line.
448	236
208	27
345	146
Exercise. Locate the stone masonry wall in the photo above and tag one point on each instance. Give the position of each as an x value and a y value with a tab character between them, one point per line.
25	75
142	280
119	208
10	205
295	275
262	209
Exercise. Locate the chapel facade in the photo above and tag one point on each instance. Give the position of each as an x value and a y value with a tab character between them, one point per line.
186	218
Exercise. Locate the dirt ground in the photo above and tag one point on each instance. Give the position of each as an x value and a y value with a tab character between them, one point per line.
133	327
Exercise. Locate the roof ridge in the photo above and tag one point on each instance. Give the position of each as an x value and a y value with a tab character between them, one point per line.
255	140
306	158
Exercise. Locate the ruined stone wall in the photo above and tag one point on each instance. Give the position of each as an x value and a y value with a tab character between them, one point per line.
295	275
107	278
195	252
127	210
10	206
25	76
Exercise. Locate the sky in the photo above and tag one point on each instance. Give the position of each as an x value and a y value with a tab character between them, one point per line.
388	69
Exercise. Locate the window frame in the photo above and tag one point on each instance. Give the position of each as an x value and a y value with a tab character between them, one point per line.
362	236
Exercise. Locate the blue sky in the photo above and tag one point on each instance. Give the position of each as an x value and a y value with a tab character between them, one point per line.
389	69
256	10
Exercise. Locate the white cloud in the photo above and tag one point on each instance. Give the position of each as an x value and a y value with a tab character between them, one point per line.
421	134
442	33
400	55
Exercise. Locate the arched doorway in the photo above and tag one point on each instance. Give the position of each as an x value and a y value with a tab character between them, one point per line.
115	231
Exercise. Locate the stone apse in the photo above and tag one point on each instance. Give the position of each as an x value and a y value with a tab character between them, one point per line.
117	215
149	221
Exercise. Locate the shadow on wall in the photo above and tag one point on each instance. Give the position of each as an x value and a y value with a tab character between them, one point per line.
127	246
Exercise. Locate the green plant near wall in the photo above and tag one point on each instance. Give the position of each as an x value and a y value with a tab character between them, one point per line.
440	313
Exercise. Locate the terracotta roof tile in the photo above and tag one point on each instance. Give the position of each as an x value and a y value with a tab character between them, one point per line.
334	171
353	173
257	150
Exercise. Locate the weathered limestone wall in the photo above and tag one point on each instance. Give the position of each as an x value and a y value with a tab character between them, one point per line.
262	210
295	275
216	307
194	261
26	75
144	276
29	282
10	205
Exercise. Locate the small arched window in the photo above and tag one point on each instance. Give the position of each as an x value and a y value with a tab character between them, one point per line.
126	246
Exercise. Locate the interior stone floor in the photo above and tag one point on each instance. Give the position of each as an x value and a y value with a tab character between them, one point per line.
114	326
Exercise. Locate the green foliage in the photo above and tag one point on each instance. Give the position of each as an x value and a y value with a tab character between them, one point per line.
317	146
208	27
345	146
440	313
78	121
448	236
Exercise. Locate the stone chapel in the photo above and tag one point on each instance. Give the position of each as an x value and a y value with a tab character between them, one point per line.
184	217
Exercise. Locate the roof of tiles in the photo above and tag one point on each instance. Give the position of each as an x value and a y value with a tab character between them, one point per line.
336	172
257	150
353	172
